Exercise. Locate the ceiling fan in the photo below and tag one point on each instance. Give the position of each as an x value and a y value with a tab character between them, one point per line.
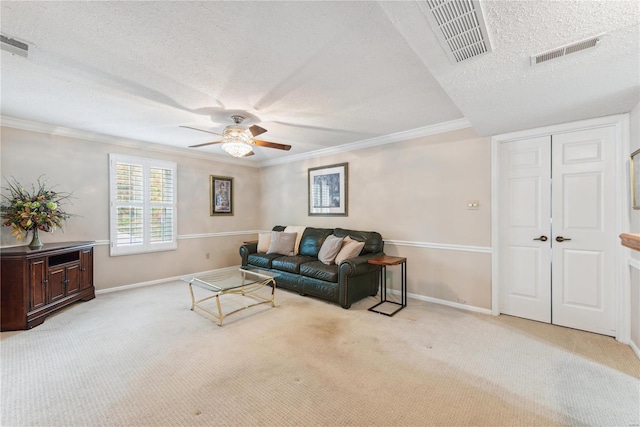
238	140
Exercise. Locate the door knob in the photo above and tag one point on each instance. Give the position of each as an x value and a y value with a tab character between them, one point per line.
541	238
561	239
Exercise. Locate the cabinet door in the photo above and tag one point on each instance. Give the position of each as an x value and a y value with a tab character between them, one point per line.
72	279
86	268
37	284
56	283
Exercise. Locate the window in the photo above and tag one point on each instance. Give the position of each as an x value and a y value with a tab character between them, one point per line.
143	214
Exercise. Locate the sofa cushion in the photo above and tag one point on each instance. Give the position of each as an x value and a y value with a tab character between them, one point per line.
318	270
262	260
372	240
264	241
350	249
282	243
320	288
312	240
330	249
290	263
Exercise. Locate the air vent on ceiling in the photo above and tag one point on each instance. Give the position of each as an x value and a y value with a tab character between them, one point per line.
14	46
565	50
459	26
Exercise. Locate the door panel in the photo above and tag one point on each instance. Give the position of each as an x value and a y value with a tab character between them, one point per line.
525	196
86	270
583	211
525	271
582	201
56	283
37	292
72	279
582	278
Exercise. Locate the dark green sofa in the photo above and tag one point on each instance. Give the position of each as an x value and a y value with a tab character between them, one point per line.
344	284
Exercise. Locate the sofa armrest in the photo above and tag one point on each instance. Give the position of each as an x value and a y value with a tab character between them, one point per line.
246	250
358	265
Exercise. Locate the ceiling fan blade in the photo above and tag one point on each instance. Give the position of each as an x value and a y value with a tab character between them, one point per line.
206	143
257	130
272	145
201	130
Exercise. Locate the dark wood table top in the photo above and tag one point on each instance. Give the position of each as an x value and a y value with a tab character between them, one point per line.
387	260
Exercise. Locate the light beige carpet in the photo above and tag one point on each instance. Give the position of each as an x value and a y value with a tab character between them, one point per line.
141	357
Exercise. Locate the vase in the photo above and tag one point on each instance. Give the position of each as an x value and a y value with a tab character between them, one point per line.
35	240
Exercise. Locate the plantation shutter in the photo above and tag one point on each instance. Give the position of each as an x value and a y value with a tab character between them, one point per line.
143	205
161	201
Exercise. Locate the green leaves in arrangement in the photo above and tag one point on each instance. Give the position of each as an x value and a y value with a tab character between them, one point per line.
40	208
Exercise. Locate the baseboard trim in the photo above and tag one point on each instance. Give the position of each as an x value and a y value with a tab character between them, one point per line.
160	281
235	267
635	349
444	302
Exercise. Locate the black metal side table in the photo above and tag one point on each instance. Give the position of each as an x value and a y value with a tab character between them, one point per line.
385	261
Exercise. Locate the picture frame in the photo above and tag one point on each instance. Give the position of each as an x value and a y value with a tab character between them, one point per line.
328	190
221	195
635	179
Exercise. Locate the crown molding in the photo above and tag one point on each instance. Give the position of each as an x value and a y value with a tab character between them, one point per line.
374	142
50	129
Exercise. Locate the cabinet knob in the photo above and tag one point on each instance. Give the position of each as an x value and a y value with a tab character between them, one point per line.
541	238
561	239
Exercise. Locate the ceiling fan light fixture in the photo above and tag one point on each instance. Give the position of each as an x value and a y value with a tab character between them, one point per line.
235	141
236	149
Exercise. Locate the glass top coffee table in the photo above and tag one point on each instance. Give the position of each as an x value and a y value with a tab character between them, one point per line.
243	283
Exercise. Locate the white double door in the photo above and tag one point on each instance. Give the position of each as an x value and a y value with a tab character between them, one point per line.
557	236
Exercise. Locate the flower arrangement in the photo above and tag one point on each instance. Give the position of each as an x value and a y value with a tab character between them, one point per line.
39	209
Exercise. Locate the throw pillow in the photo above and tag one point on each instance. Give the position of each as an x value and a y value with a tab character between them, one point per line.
282	243
330	248
295	229
350	249
264	241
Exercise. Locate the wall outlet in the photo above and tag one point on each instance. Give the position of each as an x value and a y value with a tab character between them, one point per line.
473	204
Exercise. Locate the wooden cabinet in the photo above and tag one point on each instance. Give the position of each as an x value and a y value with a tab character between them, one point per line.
37	283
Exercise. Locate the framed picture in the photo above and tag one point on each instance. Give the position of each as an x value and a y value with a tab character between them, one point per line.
635	180
328	190
221	195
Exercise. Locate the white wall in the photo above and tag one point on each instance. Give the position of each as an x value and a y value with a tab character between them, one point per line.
414	193
82	166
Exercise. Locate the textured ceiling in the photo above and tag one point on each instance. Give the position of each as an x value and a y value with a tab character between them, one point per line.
315	74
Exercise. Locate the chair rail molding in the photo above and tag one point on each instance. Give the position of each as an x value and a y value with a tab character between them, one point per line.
442	246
